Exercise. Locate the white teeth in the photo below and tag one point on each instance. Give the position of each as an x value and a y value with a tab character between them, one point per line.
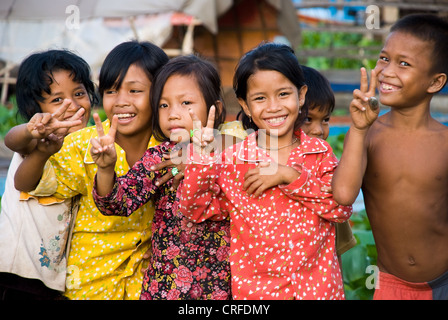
276	120
387	87
125	115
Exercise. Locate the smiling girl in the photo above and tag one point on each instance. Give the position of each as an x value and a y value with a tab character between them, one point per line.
282	224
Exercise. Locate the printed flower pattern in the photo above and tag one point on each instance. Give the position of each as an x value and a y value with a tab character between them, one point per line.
189	260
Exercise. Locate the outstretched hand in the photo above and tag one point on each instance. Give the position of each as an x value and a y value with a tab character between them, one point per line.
202	137
103	148
363	114
42	125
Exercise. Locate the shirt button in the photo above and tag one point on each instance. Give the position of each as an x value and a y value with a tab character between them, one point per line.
293	276
291	245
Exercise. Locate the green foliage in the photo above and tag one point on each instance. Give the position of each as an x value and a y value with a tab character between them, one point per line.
344	43
337	143
356	260
9	117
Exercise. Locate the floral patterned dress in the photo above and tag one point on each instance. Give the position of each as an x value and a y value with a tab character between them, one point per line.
189	260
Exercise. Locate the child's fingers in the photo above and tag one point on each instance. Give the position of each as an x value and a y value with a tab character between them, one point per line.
60	112
364	80
373	82
357	104
98	125
113	127
77	115
96	146
46	118
211	117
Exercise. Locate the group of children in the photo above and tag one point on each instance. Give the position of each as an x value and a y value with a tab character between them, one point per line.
251	209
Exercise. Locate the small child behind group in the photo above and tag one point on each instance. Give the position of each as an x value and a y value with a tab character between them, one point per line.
189	260
321	102
282	224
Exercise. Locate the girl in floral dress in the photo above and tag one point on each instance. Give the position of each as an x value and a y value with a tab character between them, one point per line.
189	260
270	185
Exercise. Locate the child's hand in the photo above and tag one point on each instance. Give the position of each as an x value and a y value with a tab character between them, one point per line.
363	115
103	148
256	183
41	125
202	137
176	161
50	145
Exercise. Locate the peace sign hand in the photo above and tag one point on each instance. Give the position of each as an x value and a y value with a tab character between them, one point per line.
202	137
103	148
364	106
42	125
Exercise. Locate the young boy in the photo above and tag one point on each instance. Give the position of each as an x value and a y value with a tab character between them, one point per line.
320	102
401	161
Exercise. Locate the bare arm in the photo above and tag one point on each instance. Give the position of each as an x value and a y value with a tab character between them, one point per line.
348	176
30	171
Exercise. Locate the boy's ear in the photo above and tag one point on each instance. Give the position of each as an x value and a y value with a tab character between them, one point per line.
243	104
437	83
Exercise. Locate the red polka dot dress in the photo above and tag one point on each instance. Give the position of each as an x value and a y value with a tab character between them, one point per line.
282	242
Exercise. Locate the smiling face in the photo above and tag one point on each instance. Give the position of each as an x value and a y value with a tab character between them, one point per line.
273	102
130	103
179	94
405	76
63	87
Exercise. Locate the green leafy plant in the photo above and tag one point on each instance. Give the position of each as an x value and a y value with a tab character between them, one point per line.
338	50
9	117
356	260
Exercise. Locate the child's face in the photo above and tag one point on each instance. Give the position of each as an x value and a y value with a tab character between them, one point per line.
404	70
130	102
63	87
273	102
317	123
179	94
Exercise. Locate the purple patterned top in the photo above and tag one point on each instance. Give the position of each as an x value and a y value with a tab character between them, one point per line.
189	260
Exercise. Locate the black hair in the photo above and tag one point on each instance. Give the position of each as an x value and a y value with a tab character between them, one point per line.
143	54
35	77
319	94
268	56
430	28
207	77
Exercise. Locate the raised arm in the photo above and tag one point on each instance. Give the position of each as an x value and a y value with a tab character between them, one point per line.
348	176
104	154
23	138
38	140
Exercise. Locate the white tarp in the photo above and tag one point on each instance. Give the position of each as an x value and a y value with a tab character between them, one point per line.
86	27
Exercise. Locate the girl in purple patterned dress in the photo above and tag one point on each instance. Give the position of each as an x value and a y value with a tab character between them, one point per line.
189	260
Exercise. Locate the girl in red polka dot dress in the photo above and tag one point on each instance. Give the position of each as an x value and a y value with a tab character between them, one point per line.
271	186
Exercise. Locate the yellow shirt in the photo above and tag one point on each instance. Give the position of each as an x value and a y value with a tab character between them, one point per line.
106	252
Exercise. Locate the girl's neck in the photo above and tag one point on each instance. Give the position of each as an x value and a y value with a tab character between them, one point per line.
275	143
134	146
